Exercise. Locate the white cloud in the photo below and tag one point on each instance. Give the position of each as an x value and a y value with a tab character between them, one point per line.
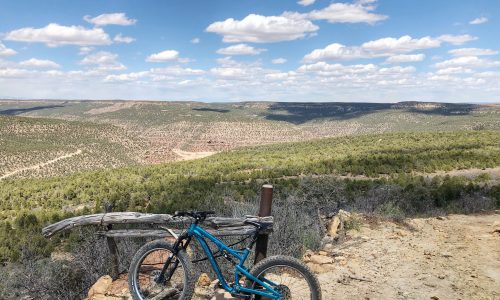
278	61
164	56
335	51
378	48
356	12
39	63
403	58
119	38
456	39
176	71
453	70
262	29
4	51
240	49
110	19
383	47
467	61
472	52
401	45
306	2
478	21
134	76
195	41
54	35
105	61
85	50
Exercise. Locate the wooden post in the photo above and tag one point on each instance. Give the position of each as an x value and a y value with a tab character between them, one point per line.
113	249
266	201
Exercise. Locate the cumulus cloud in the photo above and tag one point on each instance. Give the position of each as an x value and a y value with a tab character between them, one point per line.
85	50
400	45
4	51
457	39
278	61
383	47
472	52
119	38
164	56
110	19
240	49
39	63
195	41
358	12
104	61
54	35
262	29
467	61
404	58
306	2
478	21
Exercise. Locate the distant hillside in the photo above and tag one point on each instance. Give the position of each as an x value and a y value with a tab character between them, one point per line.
134	132
34	147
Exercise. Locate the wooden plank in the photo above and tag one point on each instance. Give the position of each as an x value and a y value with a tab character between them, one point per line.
141	218
160	233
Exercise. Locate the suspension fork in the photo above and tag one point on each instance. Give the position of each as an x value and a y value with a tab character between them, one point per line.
164	275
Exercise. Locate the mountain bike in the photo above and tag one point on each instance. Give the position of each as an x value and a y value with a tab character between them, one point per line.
163	270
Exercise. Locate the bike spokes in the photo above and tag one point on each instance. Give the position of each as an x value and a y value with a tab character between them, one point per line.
151	284
287	281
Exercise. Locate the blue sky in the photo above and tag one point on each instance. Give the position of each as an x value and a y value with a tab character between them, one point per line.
236	50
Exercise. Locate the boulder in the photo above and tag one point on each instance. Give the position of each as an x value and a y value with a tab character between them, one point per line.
333	226
321	259
204	280
100	287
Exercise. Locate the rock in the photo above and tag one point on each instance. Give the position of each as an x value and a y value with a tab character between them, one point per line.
101	286
324	253
204	280
318	269
204	292
434	297
328	247
222	295
333	226
446	254
321	259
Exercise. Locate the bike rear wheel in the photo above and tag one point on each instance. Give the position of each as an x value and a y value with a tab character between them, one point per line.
147	265
293	278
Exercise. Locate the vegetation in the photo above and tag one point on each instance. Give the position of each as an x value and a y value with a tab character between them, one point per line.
371	164
150	132
27	144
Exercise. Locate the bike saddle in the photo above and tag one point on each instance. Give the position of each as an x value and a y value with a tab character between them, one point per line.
199	215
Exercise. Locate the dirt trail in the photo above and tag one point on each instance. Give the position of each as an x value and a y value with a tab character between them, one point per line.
457	257
185	155
40	165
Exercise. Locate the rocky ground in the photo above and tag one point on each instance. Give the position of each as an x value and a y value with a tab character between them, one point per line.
452	257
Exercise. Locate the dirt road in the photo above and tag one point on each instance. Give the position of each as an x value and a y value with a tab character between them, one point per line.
456	257
40	165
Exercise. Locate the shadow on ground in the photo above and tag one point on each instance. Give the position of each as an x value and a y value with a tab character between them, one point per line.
299	113
18	111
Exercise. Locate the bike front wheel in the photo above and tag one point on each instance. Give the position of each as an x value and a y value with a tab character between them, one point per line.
292	278
146	268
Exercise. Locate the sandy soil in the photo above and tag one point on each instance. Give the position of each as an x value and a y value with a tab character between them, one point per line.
456	257
185	155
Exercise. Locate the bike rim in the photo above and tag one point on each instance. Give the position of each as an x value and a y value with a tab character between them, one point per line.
291	282
150	265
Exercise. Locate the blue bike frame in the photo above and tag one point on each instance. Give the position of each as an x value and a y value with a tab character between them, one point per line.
200	234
